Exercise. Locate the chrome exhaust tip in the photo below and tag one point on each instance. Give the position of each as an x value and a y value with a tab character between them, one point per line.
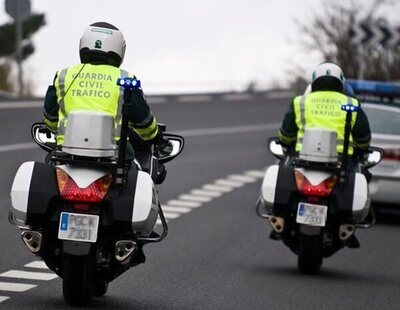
32	239
124	248
346	230
277	223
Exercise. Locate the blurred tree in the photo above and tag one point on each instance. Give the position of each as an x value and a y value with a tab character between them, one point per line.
8	45
328	33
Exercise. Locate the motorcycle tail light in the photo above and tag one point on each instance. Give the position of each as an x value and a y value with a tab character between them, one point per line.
391	154
69	190
323	189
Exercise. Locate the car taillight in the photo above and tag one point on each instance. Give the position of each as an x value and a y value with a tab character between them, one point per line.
321	190
391	154
69	190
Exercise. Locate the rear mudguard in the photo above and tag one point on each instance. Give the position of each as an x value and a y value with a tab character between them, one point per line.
76	248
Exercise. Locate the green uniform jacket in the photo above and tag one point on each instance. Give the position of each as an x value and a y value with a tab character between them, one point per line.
93	87
322	109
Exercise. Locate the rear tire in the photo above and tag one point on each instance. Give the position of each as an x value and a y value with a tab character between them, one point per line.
309	259
100	287
78	279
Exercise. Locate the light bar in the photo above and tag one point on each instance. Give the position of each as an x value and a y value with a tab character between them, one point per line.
350	108
128	83
380	89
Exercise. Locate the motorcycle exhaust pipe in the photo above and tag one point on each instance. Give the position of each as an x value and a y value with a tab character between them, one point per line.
123	249
345	231
32	239
277	223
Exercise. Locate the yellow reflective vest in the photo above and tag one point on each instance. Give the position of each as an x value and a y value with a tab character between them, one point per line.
89	87
322	109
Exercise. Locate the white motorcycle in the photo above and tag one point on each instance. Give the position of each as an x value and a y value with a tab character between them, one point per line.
315	200
88	214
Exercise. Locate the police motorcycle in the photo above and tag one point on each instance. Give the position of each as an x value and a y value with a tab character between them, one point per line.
315	200
88	215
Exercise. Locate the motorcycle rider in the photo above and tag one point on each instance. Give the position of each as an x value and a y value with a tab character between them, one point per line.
91	85
322	108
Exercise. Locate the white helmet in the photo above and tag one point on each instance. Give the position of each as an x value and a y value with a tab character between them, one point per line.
328	76
102	42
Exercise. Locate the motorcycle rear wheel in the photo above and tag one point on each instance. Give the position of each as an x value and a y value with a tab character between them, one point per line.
78	279
309	259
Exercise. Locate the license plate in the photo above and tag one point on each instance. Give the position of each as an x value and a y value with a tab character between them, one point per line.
78	227
311	214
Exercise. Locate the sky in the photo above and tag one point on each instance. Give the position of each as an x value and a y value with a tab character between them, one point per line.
179	46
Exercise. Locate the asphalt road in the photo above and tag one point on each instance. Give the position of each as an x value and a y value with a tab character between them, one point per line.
218	255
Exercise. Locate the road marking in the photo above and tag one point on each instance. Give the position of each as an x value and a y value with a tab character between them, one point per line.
235	97
17	147
37	264
3	298
21	105
171	216
172	209
241	178
28	275
15	287
200	192
225	182
221	188
195	198
194	98
256	173
180	203
227	130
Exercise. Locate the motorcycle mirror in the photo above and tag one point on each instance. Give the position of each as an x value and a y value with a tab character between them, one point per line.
373	157
177	143
43	137
275	148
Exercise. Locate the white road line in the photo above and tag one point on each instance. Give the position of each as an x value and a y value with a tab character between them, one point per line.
241	178
37	264
195	198
28	275
201	192
171	216
280	94
21	105
17	147
214	187
167	208
225	182
256	173
227	130
180	203
157	100
3	298
194	98
233	97
15	287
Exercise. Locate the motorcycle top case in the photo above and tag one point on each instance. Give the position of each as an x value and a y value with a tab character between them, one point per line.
278	184
33	187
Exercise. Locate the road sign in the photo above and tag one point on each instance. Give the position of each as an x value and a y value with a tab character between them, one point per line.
362	34
21	6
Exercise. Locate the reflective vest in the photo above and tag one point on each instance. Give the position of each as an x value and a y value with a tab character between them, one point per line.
86	87
322	109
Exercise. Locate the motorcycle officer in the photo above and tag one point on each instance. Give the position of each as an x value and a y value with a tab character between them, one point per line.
322	108
91	85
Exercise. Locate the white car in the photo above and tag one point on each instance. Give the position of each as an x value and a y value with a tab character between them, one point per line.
384	119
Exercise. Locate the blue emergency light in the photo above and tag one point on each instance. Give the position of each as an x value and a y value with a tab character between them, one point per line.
128	83
379	89
350	108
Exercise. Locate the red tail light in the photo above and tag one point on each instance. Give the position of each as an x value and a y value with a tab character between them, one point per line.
69	190
321	190
391	154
